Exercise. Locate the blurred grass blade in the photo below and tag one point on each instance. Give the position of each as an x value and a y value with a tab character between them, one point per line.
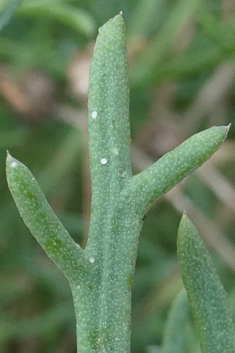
191	64
161	45
175	330
8	11
207	297
71	16
145	17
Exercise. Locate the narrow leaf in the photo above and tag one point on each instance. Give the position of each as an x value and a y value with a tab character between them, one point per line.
109	130
207	297
78	19
108	122
41	220
174	166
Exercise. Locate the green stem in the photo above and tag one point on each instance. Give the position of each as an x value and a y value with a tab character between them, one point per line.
108	242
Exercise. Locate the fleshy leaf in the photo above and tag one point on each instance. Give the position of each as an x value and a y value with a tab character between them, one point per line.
41	220
207	297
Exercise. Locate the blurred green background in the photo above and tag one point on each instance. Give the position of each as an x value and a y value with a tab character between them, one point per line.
182	79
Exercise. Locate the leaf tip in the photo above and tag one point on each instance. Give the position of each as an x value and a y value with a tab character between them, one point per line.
8	154
225	129
184	218
11	162
9	158
228	127
184	215
185	229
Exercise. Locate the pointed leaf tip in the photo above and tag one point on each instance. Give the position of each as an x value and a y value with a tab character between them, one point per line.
184	215
8	155
11	162
223	129
228	127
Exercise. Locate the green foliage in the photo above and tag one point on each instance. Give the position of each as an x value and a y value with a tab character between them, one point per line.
41	220
79	20
157	52
207	297
101	275
179	96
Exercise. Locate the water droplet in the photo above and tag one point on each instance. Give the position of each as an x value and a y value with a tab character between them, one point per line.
103	161
92	259
94	114
14	164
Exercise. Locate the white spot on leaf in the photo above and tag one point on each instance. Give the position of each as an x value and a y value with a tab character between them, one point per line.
92	259
94	114
103	161
14	164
